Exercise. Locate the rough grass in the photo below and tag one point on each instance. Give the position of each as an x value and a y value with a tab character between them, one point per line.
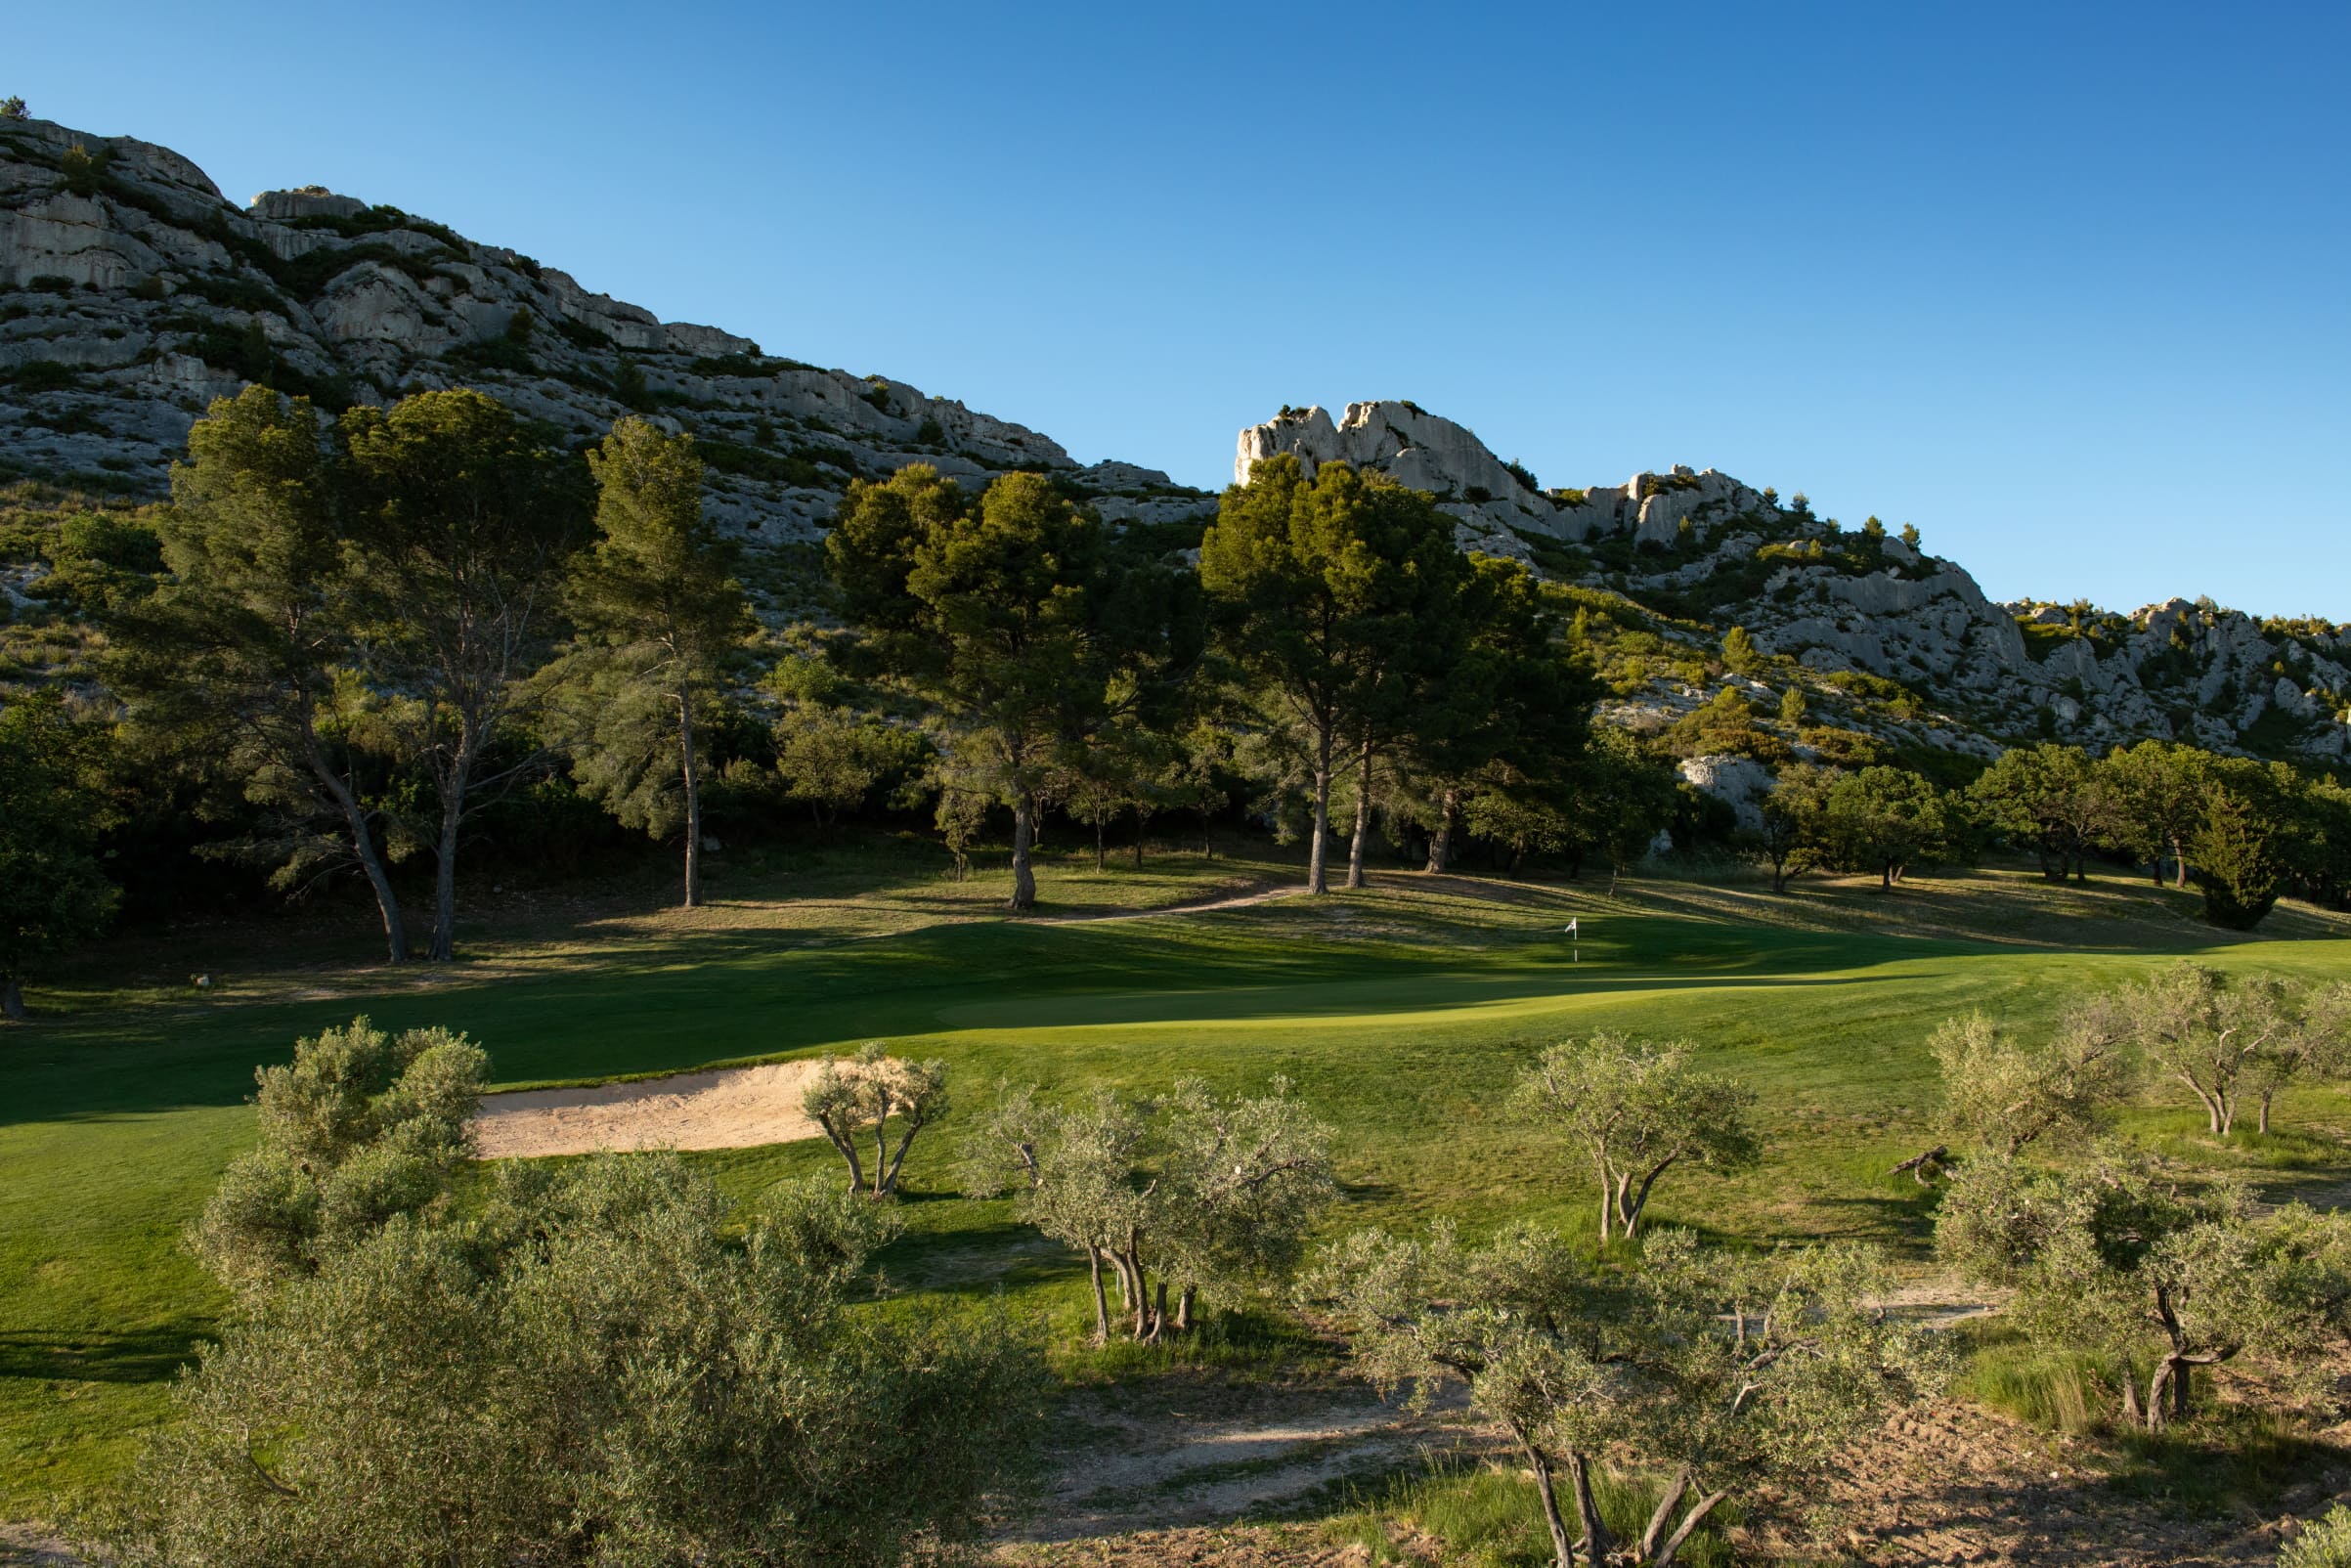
1491	1516
1401	1013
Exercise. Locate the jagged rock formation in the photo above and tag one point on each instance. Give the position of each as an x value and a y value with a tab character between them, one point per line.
1712	552
1492	498
132	293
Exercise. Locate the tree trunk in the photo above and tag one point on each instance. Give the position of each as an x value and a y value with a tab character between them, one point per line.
881	1144
12	1000
1102	1305
1617	1211
1141	1302
1316	880
1563	1550
1886	877
1597	1541
445	870
2130	1395
1440	843
1674	1492
362	845
2179	861
1607	1210
1023	835
2156	1389
693	801
1127	1294
1690	1522
1363	819
1100	863
1779	875
1184	1304
1640	1200
847	1147
1159	1312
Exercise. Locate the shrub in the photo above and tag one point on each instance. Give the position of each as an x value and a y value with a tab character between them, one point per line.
85	171
42	376
591	1372
2325	1543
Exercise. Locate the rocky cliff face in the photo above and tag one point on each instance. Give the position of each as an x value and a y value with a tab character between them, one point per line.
1712	553
132	293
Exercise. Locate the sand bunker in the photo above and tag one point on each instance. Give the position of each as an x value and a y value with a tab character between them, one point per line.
733	1108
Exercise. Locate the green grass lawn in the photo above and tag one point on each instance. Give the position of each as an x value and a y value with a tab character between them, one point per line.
1402	1013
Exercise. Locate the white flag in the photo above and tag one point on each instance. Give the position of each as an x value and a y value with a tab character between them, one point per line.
1572	925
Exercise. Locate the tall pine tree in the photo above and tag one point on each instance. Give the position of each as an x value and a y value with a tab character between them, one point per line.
657	613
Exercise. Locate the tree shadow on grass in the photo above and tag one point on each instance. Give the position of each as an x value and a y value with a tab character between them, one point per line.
149	1355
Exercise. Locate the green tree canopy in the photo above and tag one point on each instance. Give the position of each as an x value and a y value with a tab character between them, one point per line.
1009	615
597	1369
52	893
1339	597
360	1126
462	521
657	613
247	650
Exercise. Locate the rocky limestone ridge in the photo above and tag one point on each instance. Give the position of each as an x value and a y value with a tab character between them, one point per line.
1711	552
132	293
1492	498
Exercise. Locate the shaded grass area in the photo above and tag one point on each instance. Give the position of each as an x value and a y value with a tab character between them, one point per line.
2234	1457
1401	1013
1491	1516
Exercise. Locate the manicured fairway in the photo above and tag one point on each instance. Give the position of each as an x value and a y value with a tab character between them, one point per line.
1401	1014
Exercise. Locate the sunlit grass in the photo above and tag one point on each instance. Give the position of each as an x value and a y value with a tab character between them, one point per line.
1401	1014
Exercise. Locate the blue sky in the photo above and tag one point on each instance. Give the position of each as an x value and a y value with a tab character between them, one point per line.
2067	286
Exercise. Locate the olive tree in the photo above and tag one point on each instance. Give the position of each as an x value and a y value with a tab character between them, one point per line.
1639	1108
860	1099
594	1371
2121	1260
360	1126
2224	1038
1199	1191
1714	1373
2005	1093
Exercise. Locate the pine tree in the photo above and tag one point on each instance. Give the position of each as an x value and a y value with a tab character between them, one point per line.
658	614
2234	865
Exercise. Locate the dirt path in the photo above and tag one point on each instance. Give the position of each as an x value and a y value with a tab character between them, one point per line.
1128	1472
731	1107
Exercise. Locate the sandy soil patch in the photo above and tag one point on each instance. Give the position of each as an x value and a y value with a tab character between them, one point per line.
730	1108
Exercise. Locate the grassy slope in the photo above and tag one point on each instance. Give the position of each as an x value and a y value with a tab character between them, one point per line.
1401	1013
